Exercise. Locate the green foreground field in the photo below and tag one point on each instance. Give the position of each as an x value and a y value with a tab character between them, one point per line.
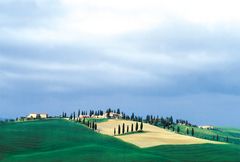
60	140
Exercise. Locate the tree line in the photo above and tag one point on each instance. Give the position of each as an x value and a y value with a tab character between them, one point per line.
125	129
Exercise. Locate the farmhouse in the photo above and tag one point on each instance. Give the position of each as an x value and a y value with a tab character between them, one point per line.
37	116
43	116
210	127
112	115
84	116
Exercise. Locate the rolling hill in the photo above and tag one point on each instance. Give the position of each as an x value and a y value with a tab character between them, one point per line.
152	135
60	140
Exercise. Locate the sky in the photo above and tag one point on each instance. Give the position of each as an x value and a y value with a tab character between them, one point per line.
178	58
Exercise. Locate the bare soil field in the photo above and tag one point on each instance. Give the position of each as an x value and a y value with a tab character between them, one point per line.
152	136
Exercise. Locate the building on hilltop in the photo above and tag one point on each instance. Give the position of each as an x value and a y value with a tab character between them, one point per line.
112	115
210	127
37	116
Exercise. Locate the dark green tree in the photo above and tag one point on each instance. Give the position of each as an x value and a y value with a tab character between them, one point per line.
178	129
227	139
132	128
123	128
217	138
141	126
132	116
173	128
114	131
136	128
95	127
119	129
127	128
192	131
187	131
84	121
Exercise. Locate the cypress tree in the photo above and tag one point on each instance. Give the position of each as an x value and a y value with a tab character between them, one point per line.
141	126
123	128
114	131
192	131
119	129
74	116
95	127
136	126
173	128
227	139
127	128
217	137
132	128
187	131
83	120
178	129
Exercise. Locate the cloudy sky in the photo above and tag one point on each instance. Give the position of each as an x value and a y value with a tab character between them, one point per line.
172	57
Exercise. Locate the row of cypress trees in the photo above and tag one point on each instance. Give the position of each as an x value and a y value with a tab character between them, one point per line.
125	128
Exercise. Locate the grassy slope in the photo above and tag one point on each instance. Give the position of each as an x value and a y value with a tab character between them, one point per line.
59	140
232	134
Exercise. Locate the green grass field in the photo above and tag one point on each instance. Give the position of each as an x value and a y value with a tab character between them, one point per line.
60	140
232	133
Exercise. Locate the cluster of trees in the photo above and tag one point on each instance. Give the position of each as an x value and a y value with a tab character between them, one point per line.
155	120
92	125
126	129
217	138
92	112
75	115
188	132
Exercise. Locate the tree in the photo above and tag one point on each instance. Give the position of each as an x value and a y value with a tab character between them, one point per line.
217	137
178	129
95	127
132	128
141	126
119	129
127	128
88	124
132	116
136	128
173	128
118	111
114	131
123	128
192	131
79	113
83	120
74	116
227	139
187	131
171	120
